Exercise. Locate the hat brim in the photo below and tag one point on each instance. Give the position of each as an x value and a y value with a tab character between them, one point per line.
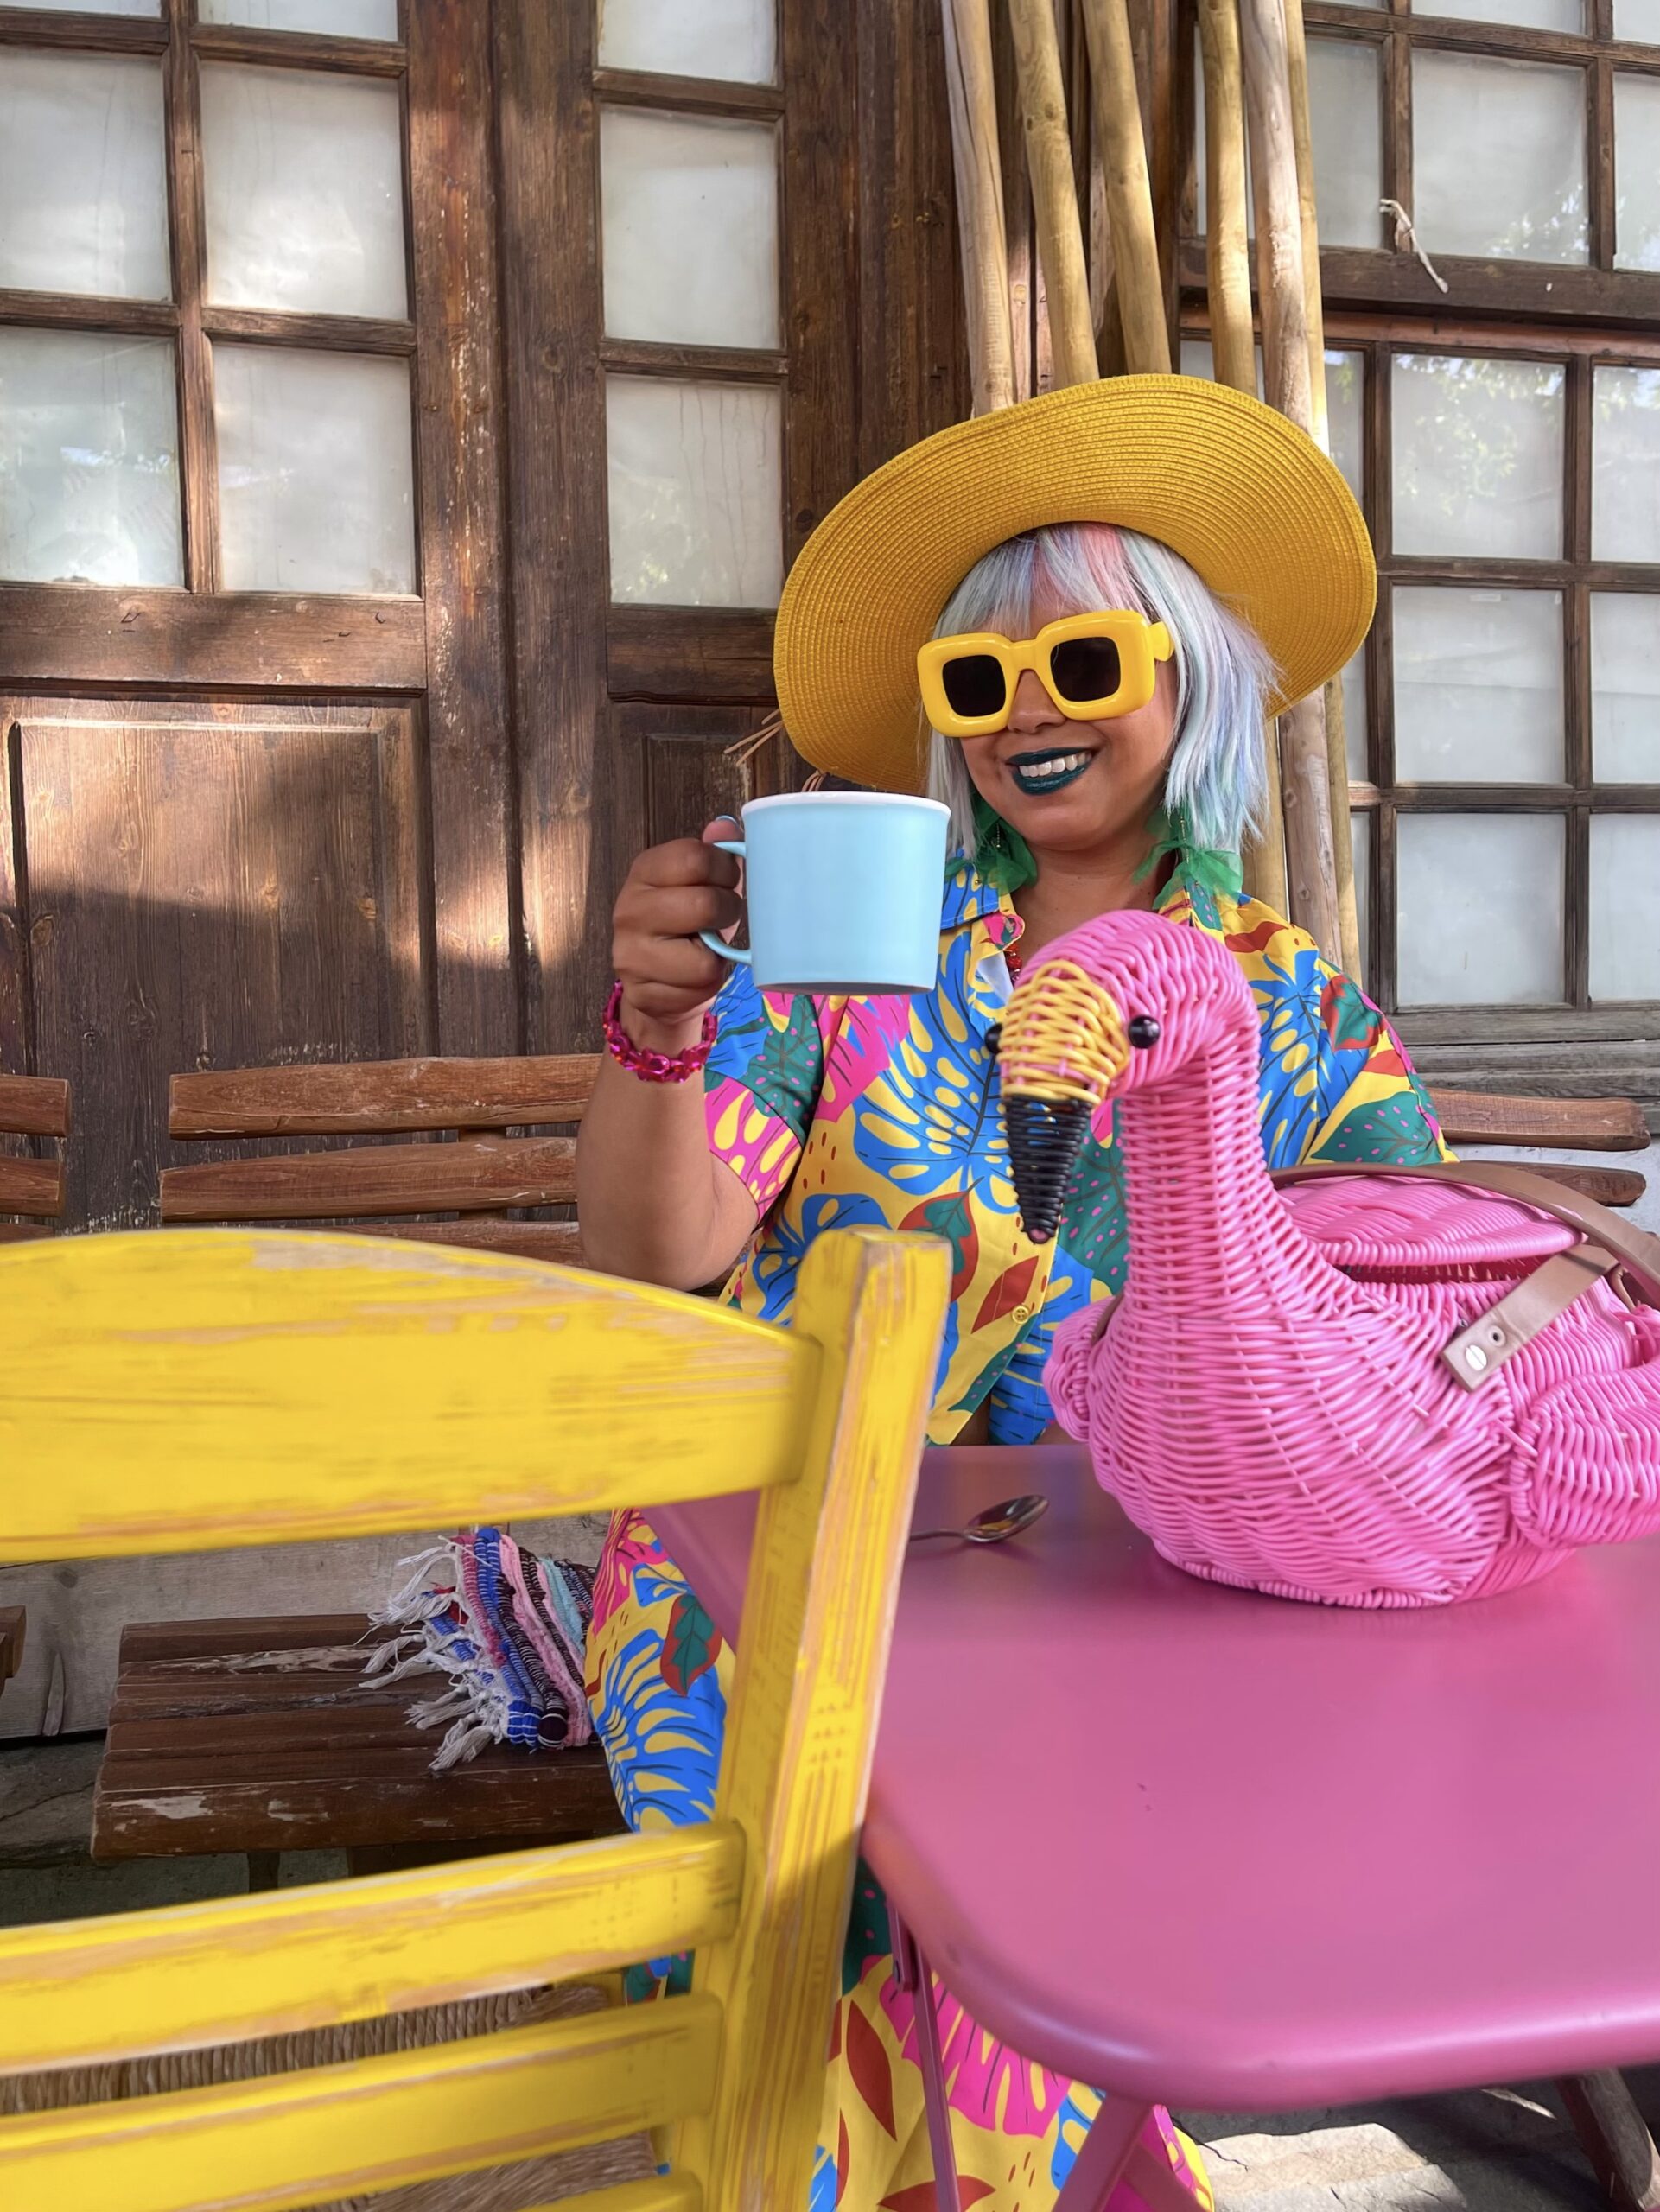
1247	500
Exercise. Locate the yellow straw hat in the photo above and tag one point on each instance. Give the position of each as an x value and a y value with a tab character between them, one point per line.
1249	501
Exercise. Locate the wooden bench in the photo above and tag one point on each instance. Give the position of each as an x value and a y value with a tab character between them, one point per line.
1480	1117
31	1106
469	1160
262	1736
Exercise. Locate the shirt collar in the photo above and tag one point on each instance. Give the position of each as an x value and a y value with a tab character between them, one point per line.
969	897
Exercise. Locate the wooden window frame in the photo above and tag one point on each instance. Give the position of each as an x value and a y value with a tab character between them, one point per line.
1389	277
78	633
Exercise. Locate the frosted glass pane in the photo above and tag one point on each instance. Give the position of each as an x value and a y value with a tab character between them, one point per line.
1535	15
1636	172
691	225
1344	394
83	175
304	179
1478	457
1354	718
1345	113
89	460
1624	906
735	40
1625	466
314	470
1478	686
1360	838
1498	158
344	18
1638	21
697	492
1197	360
1626	687
1479	909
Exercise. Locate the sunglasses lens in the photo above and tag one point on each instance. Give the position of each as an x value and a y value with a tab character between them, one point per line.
1085	668
974	685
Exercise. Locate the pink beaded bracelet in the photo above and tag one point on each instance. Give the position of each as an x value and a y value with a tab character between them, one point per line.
652	1067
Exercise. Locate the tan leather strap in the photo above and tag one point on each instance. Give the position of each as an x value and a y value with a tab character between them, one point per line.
1479	1353
1637	1251
1612	1248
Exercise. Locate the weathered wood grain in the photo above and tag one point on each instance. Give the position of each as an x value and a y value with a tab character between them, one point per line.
1571	1124
33	1187
1128	188
977	163
262	1734
457	312
678	654
376	1096
466	1177
230	884
60	633
1054	194
34	1105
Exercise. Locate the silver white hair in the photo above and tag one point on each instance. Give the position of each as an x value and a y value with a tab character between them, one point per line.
1223	674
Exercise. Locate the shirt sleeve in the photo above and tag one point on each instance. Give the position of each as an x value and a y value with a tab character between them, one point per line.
762	1081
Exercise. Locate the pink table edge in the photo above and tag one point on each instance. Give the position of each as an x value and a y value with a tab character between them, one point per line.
1168	2049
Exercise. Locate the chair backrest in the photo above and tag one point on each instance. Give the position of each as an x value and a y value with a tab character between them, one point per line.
1481	1117
168	1391
31	1106
383	1189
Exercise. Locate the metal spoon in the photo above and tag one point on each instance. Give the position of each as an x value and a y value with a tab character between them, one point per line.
993	1525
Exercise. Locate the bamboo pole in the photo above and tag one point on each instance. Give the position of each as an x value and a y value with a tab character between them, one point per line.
1305	764
1337	746
1233	347
1054	193
1128	188
977	159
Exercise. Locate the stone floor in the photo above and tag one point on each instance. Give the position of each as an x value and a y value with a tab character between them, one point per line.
1507	2149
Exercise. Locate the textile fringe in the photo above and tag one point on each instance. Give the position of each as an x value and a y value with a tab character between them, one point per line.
506	1628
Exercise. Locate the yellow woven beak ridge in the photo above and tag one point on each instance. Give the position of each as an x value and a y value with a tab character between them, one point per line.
1247	500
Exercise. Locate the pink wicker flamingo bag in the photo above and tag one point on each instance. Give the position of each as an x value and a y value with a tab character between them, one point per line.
1355	1385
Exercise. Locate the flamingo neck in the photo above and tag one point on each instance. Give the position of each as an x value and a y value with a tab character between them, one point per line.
1206	1222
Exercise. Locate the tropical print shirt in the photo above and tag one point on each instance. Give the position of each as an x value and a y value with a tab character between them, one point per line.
840	1113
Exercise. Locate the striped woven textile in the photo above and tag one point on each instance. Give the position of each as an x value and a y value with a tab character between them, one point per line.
508	1628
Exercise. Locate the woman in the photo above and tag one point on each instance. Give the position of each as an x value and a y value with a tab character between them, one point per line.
1165	501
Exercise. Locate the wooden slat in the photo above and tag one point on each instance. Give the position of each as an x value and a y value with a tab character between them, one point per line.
71	633
1609	1186
469	1177
85	1991
556	1243
21	1232
687	653
34	1105
1561	1124
376	1096
276	1389
32	1186
12	1626
374	2123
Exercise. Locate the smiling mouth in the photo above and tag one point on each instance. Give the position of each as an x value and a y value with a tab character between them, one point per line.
1037	773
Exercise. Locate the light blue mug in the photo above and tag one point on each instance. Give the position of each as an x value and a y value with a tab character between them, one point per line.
844	890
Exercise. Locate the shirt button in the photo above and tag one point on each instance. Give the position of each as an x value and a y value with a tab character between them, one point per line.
1023	1312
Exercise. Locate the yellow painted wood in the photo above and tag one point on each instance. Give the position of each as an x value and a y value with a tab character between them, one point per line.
176	1391
83	1991
666	2193
377	2123
187	1389
818	1616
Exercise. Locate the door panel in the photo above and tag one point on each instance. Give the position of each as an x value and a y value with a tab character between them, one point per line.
197	885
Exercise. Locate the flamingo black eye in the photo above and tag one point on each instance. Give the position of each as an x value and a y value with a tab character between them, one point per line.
1142	1031
994	1039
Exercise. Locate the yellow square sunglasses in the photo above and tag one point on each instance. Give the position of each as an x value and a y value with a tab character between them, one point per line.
1093	666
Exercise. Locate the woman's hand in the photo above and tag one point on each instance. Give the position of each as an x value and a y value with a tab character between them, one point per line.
668	978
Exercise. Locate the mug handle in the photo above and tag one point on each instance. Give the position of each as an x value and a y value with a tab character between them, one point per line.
719	944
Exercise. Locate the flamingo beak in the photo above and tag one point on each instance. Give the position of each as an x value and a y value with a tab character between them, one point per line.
1062	1044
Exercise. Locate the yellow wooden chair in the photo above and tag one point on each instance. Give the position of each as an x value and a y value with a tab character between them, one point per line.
177	1391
